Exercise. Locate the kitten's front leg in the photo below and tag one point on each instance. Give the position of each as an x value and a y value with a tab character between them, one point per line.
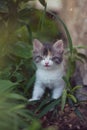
38	91
57	92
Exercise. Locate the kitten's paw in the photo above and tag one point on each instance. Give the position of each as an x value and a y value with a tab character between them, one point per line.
33	99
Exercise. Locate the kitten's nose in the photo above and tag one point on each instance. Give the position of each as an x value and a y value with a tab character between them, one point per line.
46	63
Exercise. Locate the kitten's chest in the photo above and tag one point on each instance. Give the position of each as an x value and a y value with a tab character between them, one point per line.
49	77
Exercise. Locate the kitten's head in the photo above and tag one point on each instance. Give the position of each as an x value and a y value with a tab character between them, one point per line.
47	56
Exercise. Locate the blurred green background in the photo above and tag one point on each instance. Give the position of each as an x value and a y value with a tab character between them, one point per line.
20	23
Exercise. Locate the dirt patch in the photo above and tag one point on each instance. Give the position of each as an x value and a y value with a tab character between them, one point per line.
69	119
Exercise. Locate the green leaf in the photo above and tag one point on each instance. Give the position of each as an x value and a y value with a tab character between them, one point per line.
71	67
43	2
66	30
76	88
35	126
73	98
49	107
30	33
22	50
16	96
17	107
79	114
29	84
42	19
18	76
83	56
28	29
76	110
5	85
66	79
42	104
79	59
81	46
64	96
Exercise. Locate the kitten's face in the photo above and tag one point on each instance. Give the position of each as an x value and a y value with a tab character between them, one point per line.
47	56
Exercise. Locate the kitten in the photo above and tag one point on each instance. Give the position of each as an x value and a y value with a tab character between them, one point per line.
50	69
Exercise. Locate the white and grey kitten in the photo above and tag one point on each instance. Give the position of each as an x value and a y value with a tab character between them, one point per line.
50	69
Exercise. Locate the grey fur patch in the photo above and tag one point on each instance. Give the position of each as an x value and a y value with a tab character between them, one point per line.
48	50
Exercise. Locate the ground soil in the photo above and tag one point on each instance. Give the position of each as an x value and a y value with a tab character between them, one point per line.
67	119
71	118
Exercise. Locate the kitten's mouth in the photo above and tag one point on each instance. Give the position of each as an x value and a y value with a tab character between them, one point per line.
47	65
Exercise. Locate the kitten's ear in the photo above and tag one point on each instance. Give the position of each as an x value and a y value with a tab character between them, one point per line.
59	46
37	45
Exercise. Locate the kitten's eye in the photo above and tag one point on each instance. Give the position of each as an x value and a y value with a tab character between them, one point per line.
38	59
57	60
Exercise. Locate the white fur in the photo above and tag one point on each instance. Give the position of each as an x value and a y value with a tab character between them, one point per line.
47	60
50	77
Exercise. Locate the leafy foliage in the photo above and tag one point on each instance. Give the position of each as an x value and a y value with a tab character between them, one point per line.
20	23
17	20
12	107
